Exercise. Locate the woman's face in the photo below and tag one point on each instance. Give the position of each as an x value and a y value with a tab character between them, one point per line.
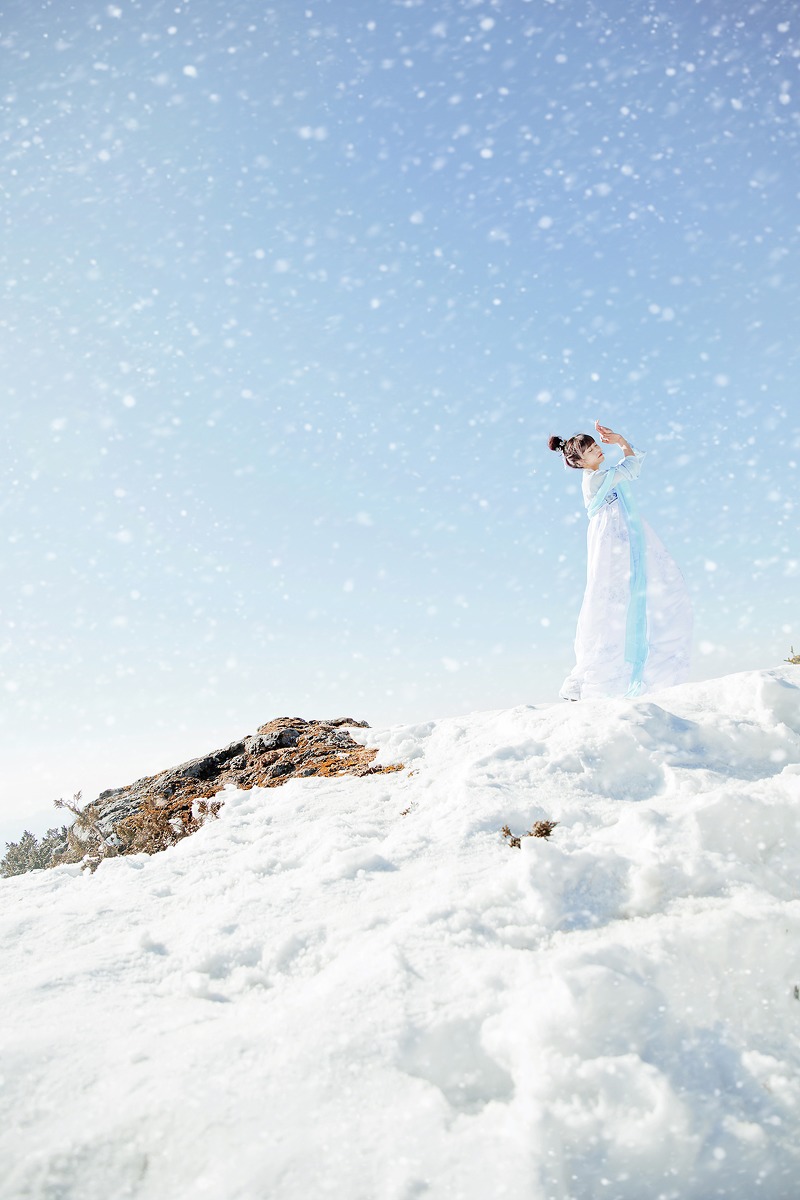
592	458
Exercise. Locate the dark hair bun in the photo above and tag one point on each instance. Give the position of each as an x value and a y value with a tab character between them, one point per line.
556	443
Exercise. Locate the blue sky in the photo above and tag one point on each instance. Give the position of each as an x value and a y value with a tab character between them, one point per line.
293	297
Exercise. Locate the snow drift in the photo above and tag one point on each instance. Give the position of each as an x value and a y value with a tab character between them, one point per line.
356	988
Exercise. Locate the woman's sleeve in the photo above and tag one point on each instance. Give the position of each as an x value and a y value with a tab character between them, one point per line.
599	483
629	468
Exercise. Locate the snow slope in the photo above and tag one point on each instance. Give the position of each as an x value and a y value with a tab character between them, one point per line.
318	996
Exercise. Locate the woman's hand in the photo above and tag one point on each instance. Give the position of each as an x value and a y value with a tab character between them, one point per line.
608	435
614	439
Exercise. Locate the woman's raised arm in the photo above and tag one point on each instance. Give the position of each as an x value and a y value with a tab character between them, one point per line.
614	439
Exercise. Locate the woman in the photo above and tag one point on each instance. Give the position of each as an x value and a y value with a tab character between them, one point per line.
635	625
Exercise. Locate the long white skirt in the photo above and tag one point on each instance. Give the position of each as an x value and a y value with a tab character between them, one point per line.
600	667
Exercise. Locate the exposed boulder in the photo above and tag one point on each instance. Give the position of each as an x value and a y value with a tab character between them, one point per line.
159	810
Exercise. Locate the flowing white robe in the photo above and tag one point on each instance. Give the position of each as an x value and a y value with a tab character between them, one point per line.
635	624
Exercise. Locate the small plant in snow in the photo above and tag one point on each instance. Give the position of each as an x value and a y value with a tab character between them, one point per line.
510	837
540	829
793	658
86	841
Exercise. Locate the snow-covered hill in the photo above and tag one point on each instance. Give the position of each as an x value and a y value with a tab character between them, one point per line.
356	988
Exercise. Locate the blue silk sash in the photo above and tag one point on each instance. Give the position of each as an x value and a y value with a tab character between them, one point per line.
636	624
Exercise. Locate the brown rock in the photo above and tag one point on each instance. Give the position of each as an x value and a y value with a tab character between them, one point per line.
158	811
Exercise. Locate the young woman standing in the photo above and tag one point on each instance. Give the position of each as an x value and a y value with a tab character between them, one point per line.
635	624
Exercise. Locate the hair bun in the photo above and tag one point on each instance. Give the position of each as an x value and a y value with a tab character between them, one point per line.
556	443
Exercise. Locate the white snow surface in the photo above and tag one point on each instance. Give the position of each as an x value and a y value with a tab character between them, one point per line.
317	995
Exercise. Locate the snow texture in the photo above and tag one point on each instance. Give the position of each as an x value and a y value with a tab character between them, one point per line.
356	988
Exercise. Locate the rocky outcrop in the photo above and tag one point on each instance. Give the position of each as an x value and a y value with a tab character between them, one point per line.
285	748
159	810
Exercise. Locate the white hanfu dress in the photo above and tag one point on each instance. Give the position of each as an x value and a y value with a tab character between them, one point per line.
635	624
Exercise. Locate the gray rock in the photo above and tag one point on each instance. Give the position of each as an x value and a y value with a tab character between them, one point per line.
281	768
342	740
223	757
262	742
274	739
109	792
201	768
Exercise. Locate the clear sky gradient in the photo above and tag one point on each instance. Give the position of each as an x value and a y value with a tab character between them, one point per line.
292	298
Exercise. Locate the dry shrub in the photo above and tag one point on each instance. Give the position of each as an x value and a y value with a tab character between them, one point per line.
539	829
156	826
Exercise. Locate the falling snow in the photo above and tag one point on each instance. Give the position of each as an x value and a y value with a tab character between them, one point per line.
269	267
